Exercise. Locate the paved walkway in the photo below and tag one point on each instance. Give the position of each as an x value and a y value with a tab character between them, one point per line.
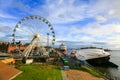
80	75
7	72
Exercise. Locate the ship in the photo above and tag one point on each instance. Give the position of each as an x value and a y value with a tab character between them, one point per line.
63	48
92	55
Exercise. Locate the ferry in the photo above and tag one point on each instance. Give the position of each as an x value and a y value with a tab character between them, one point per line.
92	55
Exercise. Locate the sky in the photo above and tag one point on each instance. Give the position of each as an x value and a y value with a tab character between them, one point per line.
73	20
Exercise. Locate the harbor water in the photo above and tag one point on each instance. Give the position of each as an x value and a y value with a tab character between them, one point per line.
112	72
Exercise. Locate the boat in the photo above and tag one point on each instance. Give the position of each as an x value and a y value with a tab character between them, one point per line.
91	55
63	48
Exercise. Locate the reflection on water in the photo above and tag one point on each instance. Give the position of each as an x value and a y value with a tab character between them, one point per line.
115	58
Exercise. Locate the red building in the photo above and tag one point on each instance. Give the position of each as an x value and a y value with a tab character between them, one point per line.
7	47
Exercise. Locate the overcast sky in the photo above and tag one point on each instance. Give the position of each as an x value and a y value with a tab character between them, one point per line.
73	20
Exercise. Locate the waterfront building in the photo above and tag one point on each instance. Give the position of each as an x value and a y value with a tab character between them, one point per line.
7	47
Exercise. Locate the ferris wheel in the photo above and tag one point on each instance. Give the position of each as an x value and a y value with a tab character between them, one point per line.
37	32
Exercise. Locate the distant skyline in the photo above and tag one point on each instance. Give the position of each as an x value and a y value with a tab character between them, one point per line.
73	20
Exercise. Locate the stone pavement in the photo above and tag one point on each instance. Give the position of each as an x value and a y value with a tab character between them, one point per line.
80	75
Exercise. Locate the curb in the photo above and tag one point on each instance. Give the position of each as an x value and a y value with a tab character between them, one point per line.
64	77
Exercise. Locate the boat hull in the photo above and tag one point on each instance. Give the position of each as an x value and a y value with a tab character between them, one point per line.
98	61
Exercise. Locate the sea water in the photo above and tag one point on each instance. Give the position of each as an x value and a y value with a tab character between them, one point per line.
115	58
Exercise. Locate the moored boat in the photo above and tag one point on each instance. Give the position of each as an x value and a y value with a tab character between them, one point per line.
63	48
91	55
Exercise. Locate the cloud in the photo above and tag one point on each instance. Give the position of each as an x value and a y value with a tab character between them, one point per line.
86	38
100	18
93	32
62	11
66	11
97	29
3	15
4	29
114	38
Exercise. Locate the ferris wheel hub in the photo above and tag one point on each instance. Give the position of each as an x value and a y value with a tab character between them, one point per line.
37	36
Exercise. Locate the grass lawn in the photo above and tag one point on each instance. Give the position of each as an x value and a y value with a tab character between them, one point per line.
39	72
